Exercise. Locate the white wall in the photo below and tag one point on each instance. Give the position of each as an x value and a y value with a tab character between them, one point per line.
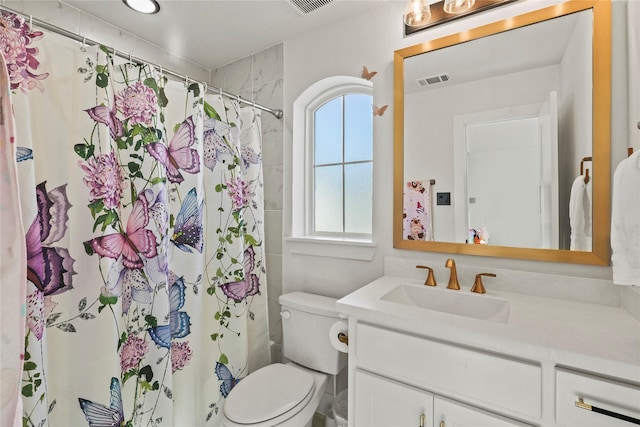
370	40
576	115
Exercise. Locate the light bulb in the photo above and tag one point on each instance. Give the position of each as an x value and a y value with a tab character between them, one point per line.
143	6
458	6
417	13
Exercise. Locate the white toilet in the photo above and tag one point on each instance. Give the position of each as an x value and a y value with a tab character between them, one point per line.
287	395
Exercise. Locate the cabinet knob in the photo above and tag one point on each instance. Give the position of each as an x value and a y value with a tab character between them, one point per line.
442	424
422	418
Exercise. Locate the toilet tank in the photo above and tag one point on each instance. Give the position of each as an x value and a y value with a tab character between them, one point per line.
306	320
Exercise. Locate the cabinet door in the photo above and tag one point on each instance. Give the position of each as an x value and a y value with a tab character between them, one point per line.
618	399
380	402
448	413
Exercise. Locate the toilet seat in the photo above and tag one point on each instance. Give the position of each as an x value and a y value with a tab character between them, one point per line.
271	394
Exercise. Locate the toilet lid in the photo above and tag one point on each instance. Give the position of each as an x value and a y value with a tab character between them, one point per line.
267	393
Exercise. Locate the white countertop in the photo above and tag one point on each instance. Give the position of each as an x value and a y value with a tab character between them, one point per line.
584	336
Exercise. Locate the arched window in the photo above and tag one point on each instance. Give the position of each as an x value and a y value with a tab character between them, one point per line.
333	160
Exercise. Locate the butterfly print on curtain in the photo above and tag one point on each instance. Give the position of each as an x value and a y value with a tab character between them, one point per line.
178	155
129	244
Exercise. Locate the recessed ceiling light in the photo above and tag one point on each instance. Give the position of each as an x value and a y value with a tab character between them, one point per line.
143	6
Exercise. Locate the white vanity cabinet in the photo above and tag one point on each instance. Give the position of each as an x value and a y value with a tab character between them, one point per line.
449	413
527	370
422	368
380	402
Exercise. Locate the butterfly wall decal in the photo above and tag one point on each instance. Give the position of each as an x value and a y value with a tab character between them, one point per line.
250	285
187	232
135	240
227	378
178	155
179	321
379	111
99	415
106	116
366	74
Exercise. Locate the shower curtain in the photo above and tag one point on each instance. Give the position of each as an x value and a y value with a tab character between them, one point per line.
142	208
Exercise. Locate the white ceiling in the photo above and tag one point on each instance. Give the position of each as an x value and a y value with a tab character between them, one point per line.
214	33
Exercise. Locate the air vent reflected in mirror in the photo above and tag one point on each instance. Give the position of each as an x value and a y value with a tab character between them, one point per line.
432	80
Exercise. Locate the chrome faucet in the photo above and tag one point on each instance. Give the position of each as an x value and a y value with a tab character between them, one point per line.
453	278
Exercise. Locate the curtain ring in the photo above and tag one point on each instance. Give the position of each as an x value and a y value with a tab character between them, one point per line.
220	92
83	48
206	87
31	22
130	59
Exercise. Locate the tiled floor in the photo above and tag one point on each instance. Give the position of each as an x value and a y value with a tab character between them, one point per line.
318	420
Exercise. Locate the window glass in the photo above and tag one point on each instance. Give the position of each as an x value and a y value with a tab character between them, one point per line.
328	199
358	179
328	132
358	128
343	151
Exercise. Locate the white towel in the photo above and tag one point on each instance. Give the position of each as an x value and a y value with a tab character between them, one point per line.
625	222
633	51
417	224
580	215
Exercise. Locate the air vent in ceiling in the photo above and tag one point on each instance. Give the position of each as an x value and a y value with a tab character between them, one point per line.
308	6
432	80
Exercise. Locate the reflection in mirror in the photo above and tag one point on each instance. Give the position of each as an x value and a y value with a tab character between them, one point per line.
502	122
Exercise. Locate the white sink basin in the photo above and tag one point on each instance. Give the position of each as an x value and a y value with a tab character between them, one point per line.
460	303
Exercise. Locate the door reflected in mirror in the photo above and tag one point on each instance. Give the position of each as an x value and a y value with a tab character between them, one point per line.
501	117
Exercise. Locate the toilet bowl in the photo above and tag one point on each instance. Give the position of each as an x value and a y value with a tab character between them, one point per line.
288	395
276	395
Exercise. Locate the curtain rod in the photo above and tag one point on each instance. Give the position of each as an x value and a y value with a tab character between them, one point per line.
212	89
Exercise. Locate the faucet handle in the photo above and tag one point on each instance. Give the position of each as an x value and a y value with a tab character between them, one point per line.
478	287
431	279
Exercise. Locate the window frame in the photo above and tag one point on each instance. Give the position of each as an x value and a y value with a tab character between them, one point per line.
314	107
303	188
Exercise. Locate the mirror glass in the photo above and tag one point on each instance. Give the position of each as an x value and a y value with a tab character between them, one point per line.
499	131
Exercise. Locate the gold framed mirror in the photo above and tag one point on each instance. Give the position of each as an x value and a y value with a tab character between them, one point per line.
432	146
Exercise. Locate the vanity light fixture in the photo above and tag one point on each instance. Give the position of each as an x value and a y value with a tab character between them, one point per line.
458	6
143	6
419	15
